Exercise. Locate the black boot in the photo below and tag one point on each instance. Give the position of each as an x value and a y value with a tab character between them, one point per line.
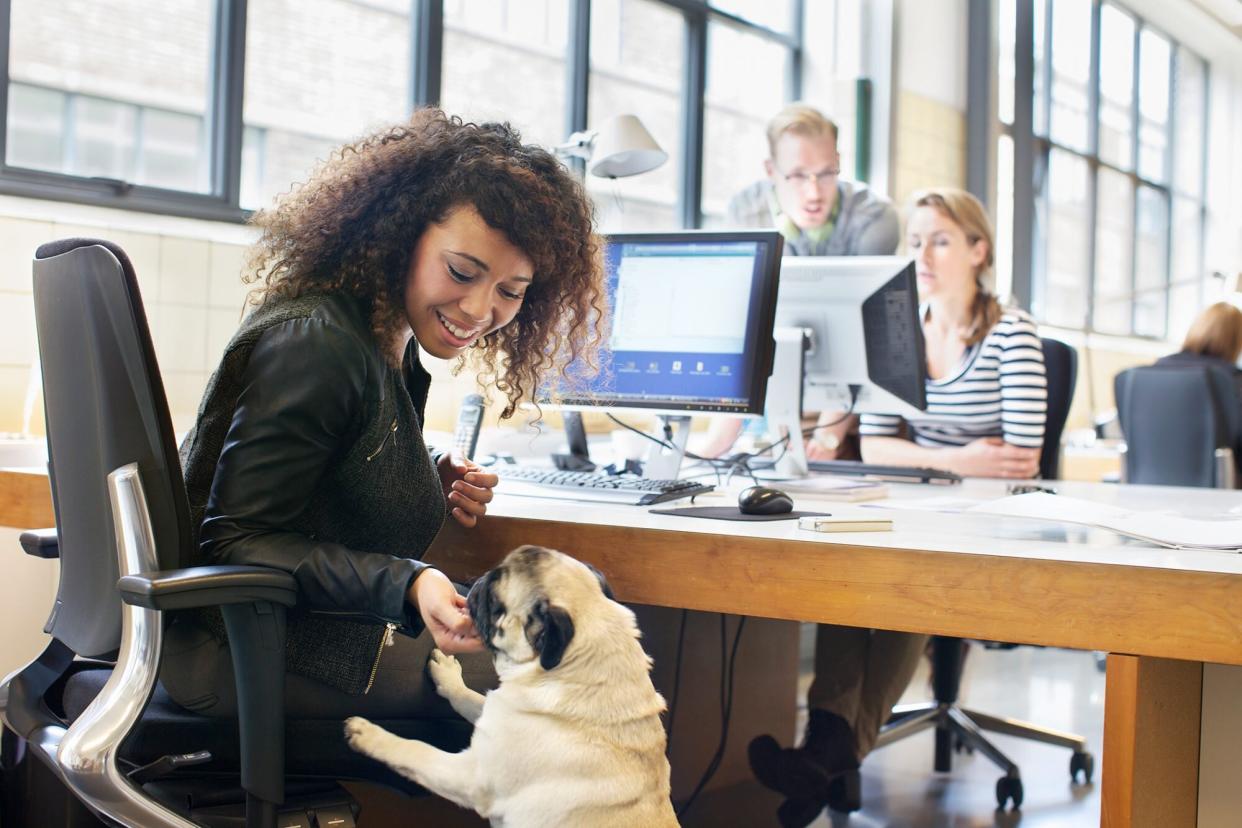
845	792
805	773
798	813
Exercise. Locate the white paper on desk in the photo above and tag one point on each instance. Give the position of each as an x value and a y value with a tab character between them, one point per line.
943	503
1159	528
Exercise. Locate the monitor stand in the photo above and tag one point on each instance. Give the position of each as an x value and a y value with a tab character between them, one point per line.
783	405
578	457
664	463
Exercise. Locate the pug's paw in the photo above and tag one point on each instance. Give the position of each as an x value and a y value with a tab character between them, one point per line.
446	673
361	734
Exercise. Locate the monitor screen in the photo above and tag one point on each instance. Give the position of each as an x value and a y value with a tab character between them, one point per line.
690	324
862	315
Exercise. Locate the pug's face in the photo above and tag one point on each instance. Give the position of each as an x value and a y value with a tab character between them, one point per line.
524	609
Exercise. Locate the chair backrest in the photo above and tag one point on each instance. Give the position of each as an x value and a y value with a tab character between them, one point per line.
1061	368
1174	418
105	407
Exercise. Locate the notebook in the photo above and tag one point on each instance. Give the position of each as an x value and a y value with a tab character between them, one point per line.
841	489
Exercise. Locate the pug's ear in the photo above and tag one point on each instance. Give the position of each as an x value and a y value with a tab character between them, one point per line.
603	583
549	629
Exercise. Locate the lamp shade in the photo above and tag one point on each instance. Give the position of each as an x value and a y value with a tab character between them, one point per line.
622	147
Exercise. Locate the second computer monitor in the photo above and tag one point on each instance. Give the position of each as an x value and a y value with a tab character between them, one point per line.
862	318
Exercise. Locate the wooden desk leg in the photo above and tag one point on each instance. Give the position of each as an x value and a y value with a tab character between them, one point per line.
1152	710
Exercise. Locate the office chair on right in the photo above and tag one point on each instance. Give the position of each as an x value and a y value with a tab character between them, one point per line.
89	737
1180	425
955	724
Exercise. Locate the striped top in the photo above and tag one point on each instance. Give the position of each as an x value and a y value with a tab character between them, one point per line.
998	390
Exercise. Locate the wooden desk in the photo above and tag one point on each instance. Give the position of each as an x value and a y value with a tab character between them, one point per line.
1159	613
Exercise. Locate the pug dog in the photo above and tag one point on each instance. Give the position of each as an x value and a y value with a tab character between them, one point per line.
572	736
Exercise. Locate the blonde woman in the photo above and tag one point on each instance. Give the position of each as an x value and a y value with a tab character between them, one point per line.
987	402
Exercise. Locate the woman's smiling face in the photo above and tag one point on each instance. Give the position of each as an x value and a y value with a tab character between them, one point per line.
465	280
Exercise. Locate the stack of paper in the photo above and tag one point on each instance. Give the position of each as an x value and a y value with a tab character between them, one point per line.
1160	528
844	489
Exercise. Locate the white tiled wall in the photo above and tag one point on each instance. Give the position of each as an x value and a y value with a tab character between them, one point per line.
190	277
191	289
931	146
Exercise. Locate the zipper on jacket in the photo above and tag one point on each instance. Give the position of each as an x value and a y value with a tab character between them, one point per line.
392	432
387	641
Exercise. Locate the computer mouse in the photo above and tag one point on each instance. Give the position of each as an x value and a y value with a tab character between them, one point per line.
762	500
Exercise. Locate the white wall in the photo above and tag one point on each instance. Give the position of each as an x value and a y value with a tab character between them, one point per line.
931	50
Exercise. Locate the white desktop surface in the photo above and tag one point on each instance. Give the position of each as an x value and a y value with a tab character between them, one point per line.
934	531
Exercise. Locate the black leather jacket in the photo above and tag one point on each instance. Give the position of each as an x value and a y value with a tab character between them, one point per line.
308	457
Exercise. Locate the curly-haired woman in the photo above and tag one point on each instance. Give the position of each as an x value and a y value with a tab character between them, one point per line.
436	236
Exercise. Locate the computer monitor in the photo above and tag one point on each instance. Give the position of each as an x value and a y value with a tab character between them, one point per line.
690	328
861	314
848	338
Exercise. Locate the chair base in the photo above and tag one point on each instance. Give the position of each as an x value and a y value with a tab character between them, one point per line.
955	723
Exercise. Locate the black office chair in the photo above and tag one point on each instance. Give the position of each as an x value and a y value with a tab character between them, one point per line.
1180	425
955	725
89	736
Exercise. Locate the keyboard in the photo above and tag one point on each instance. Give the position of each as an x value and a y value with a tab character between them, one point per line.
900	474
536	481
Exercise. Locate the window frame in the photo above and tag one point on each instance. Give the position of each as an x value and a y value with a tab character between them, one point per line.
1032	152
225	126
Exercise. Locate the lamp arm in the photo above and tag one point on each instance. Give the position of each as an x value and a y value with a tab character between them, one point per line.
579	145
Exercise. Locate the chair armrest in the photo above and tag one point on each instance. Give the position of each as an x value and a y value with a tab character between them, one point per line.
42	543
208	586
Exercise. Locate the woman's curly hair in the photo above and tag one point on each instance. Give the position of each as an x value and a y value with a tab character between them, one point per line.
354	225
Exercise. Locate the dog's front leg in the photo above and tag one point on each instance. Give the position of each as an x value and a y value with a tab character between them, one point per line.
453	776
446	673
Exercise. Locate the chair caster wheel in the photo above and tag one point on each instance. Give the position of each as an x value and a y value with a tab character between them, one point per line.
1008	788
1082	761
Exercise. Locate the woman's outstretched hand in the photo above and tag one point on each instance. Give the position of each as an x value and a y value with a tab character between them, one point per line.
444	612
467	487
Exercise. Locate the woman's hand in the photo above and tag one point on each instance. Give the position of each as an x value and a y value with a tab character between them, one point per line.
444	612
993	457
467	487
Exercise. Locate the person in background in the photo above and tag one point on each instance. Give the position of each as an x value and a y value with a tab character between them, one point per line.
1214	341
987	402
819	214
432	237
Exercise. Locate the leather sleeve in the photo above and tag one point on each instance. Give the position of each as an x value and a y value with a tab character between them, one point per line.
302	396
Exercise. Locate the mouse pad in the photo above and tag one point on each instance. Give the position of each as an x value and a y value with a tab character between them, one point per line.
731	513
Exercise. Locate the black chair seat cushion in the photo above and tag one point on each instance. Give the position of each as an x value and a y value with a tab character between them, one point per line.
313	747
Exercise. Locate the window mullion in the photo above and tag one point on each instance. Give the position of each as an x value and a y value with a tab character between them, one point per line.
1024	151
796	55
1093	163
6	32
1136	119
694	87
578	74
980	72
228	85
426	52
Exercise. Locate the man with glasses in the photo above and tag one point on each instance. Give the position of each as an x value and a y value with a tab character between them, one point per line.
817	212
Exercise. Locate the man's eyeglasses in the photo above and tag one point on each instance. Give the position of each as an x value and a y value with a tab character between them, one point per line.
801	179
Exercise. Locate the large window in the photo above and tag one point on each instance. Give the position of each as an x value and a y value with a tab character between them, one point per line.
210	108
1115	118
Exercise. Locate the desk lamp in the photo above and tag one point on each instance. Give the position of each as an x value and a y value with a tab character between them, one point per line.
621	147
